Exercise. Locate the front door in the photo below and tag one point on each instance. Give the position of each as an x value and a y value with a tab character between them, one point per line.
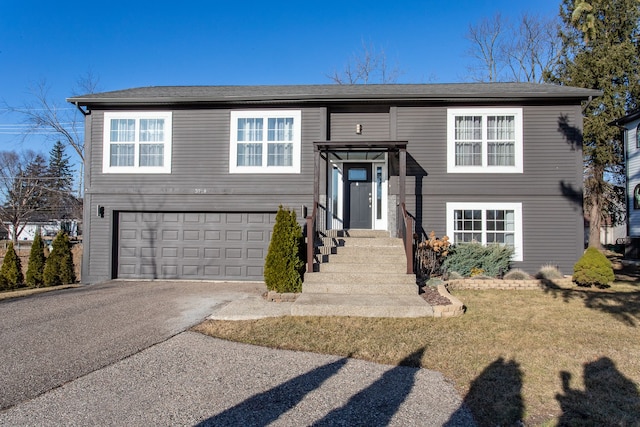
358	192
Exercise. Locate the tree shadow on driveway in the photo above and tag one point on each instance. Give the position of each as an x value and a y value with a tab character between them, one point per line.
266	407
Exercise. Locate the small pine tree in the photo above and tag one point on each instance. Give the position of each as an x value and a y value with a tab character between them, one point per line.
593	268
36	263
11	270
59	270
283	265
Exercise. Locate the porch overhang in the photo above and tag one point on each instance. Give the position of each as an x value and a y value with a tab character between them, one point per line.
360	145
390	146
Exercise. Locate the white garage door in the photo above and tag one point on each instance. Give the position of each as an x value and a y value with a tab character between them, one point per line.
193	245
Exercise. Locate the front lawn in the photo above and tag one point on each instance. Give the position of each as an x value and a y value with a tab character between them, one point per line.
559	355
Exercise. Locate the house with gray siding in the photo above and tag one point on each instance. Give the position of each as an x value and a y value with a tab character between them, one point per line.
631	128
184	182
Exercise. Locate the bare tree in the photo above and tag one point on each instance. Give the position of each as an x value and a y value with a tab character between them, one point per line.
532	49
23	189
57	119
487	39
368	66
506	52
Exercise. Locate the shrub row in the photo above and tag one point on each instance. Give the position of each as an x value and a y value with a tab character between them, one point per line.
57	269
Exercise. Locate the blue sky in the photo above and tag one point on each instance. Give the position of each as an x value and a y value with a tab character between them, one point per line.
148	43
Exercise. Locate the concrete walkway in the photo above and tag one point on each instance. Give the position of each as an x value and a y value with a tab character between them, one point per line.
117	354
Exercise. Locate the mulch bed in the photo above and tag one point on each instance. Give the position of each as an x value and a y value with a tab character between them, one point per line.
431	295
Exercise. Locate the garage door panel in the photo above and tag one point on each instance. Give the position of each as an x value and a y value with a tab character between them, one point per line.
193	245
192	234
212	234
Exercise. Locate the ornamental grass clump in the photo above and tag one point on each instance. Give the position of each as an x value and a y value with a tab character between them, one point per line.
593	269
517	274
59	269
284	265
11	271
549	272
36	264
469	259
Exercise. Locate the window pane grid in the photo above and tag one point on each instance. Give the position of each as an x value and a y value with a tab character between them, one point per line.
151	130
496	226
250	129
280	129
151	154
468	226
122	155
280	155
249	155
468	136
485	140
123	130
273	147
137	132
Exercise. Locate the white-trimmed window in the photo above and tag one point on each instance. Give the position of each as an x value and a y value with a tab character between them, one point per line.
265	141
484	140
137	142
486	223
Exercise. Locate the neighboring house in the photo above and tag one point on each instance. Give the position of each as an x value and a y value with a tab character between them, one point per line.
45	228
631	126
184	182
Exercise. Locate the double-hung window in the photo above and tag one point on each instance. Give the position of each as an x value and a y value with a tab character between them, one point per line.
486	223
485	140
137	142
265	141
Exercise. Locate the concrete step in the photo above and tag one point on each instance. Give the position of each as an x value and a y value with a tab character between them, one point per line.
367	278
371	251
361	305
372	242
348	266
360	288
357	233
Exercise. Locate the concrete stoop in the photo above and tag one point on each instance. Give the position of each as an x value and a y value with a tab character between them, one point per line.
361	274
361	305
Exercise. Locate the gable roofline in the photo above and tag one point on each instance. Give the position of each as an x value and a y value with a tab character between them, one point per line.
631	116
443	92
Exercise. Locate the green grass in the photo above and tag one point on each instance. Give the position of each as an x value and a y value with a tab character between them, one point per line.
559	355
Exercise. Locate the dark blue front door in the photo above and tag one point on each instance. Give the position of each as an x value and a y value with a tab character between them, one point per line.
358	195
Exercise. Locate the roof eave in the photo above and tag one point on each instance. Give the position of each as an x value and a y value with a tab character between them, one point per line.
311	99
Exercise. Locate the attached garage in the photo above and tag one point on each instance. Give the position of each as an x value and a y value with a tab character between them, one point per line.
192	245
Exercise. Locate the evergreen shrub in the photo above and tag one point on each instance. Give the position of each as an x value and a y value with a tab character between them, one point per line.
35	268
11	270
284	265
593	269
59	269
468	258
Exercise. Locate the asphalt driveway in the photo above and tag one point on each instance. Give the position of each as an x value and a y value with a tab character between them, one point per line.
49	339
117	354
